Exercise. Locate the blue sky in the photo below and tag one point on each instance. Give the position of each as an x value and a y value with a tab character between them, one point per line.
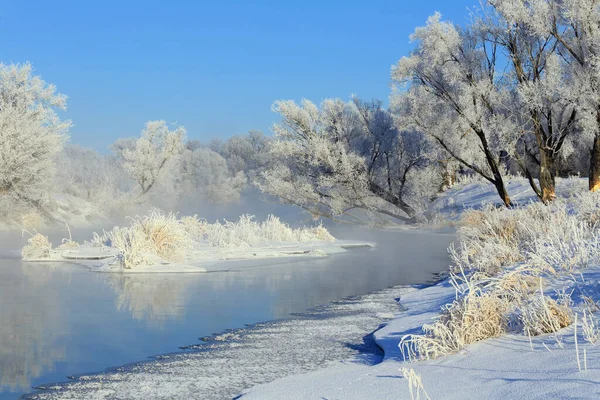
213	67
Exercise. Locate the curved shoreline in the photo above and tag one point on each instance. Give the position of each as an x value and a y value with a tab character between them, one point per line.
317	329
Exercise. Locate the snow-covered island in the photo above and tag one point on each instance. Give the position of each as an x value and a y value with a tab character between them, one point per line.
165	243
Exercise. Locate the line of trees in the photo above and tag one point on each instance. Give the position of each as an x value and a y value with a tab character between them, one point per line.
158	168
519	84
515	91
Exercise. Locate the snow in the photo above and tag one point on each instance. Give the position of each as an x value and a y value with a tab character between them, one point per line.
207	259
476	195
508	367
299	358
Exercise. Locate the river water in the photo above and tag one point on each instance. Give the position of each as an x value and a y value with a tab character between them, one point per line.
58	320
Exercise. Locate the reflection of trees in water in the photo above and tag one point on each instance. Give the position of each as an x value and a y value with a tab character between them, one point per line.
151	297
31	323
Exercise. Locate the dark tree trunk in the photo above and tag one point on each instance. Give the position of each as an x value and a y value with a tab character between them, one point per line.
392	199
594	180
547	176
497	181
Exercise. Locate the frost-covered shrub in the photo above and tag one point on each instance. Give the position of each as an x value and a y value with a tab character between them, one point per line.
248	232
470	318
544	315
134	245
38	247
154	235
552	237
166	233
67	244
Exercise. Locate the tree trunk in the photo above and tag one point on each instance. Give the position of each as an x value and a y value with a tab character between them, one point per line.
594	179
392	199
547	176
497	181
503	193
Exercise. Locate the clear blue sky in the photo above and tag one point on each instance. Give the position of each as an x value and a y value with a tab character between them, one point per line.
214	67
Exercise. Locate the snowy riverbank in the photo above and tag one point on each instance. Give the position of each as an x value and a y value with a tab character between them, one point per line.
518	320
508	367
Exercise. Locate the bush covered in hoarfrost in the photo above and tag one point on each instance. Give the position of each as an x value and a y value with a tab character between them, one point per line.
38	247
159	236
248	232
500	268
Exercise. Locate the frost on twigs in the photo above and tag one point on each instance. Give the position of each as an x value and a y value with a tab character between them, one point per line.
159	237
38	247
470	318
415	384
154	235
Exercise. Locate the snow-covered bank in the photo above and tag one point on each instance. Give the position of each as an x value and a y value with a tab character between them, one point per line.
105	260
517	319
508	367
159	243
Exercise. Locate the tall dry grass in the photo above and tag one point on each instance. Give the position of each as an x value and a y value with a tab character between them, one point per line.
499	270
160	236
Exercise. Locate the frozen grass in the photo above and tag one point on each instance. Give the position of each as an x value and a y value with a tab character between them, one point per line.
563	236
158	236
474	315
486	308
149	239
38	247
544	315
415	384
590	327
134	245
166	234
247	232
498	272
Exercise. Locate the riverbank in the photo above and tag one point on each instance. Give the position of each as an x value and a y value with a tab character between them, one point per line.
517	318
507	367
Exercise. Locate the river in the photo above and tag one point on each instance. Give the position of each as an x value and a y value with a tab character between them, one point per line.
58	320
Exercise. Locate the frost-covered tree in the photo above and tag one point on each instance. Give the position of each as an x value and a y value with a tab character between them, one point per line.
31	135
205	174
89	175
544	107
248	153
448	90
576	26
151	158
340	158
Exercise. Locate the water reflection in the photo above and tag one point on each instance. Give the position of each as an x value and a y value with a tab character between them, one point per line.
31	324
150	297
58	320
